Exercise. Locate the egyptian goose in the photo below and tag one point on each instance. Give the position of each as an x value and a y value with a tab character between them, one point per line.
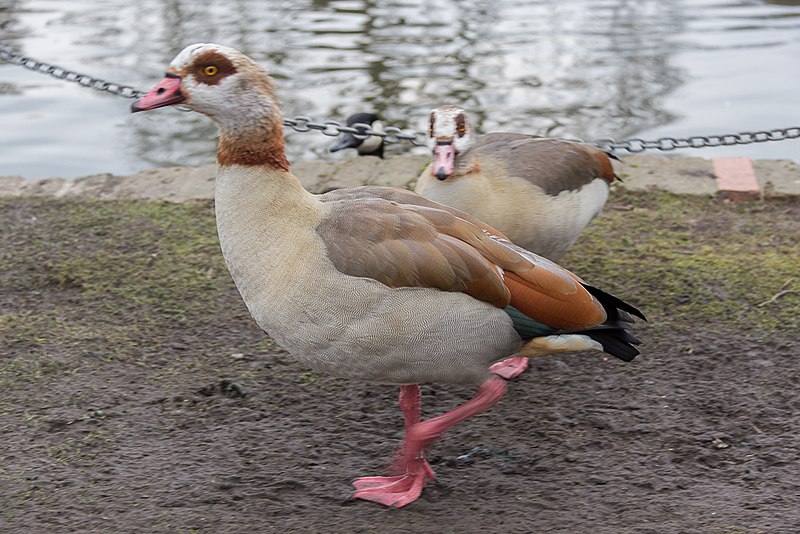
369	146
377	284
541	192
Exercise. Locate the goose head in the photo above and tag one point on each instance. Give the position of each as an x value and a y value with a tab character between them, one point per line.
451	138
235	92
371	145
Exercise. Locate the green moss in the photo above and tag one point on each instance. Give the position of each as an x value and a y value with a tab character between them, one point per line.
144	283
87	282
693	260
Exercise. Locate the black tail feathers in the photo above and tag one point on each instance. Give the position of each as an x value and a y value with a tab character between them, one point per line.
612	304
615	341
614	334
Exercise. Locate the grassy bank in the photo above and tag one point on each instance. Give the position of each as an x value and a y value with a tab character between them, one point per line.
141	281
122	333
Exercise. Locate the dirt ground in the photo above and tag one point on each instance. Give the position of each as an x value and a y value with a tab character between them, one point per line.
136	395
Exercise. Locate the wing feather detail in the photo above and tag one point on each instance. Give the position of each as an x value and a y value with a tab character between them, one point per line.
555	165
404	240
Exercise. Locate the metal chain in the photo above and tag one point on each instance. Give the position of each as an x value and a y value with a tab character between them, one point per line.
392	134
360	130
10	56
636	145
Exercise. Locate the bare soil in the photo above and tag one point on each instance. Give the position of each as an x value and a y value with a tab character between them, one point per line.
136	395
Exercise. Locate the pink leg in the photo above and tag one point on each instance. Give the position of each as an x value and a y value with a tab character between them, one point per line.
400	490
410	405
510	367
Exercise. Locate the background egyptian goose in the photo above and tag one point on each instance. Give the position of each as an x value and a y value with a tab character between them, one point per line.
372	283
369	146
541	192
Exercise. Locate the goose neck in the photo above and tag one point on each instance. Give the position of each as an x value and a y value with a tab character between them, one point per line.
258	144
466	163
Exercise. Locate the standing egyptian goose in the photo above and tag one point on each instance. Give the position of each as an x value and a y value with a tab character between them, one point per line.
377	284
541	192
368	146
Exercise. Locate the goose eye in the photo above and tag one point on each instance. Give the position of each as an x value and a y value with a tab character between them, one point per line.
211	70
461	124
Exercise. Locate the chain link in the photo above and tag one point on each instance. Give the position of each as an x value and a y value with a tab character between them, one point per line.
636	145
393	134
10	56
390	134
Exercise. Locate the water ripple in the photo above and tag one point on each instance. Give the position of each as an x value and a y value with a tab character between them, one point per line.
576	67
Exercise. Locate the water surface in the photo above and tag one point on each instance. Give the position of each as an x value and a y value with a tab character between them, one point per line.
579	68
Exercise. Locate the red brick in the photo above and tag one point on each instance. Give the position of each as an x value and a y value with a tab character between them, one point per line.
736	179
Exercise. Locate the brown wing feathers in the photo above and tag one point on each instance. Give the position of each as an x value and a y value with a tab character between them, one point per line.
538	288
420	245
555	165
484	284
408	199
401	247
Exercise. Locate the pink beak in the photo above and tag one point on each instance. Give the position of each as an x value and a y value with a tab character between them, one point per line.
444	160
166	93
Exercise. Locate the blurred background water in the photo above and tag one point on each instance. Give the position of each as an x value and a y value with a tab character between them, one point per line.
579	68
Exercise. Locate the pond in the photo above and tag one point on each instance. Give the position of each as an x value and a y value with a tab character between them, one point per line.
577	68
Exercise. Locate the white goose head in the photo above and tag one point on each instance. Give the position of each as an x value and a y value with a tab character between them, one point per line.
234	91
450	136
